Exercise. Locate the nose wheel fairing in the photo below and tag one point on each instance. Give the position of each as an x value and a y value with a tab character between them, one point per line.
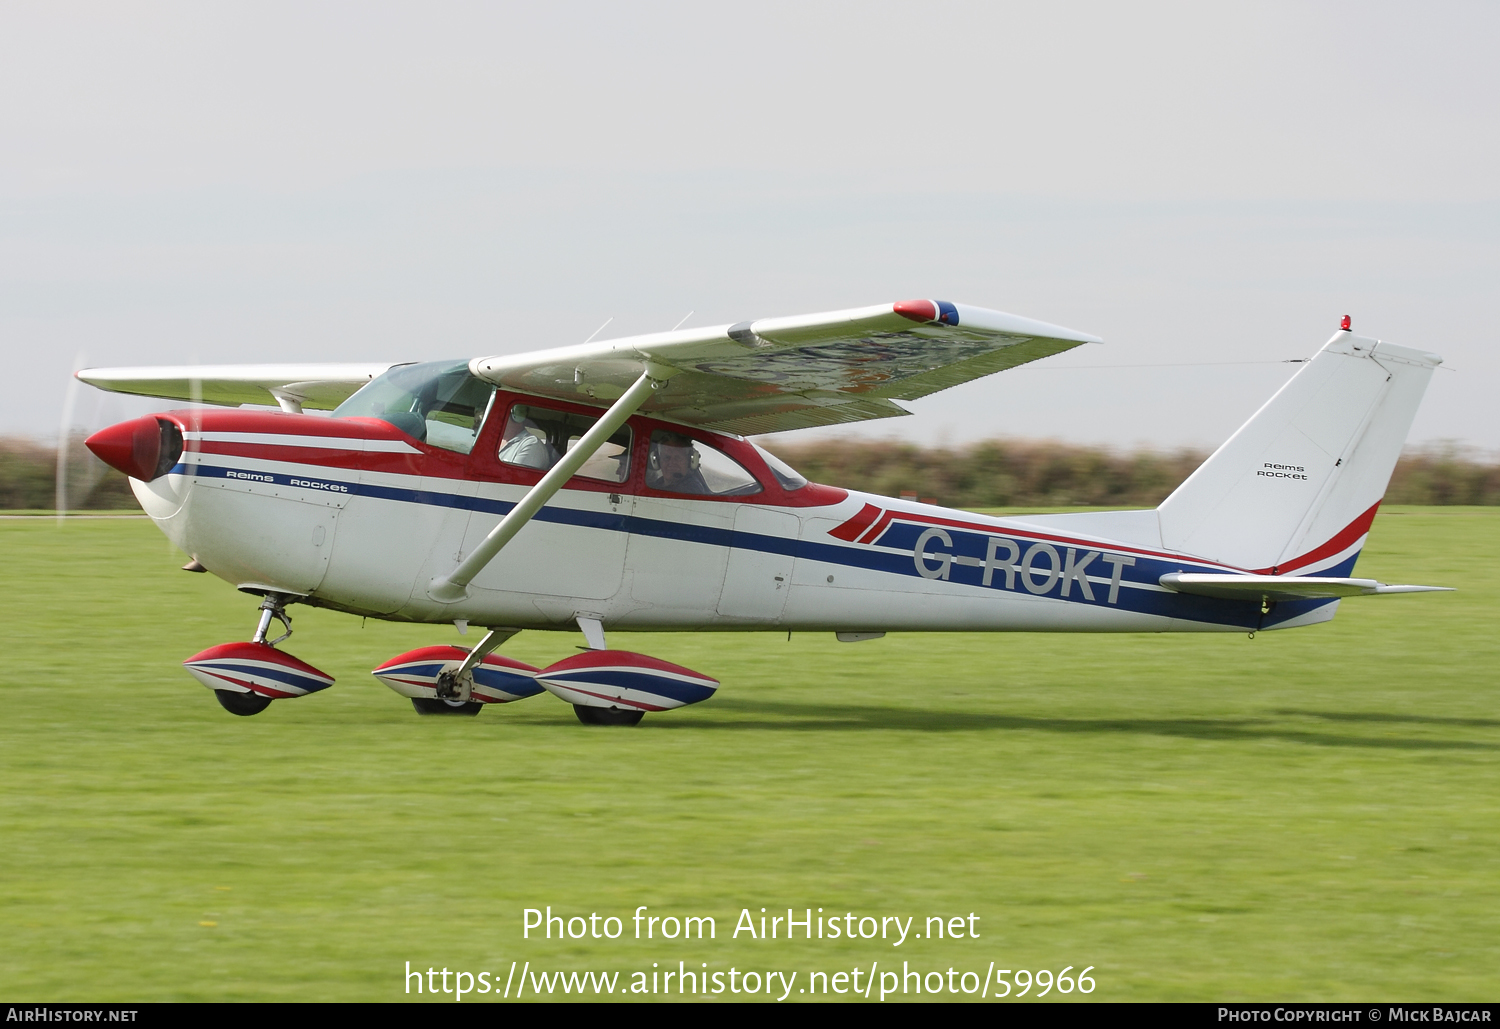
256	668
246	677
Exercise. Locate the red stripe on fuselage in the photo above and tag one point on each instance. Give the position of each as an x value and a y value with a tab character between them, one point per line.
850	530
438	463
1343	540
482	465
1002	530
877	528
352	461
1346	538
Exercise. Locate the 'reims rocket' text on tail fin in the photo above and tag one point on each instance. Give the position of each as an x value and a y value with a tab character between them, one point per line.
1295	489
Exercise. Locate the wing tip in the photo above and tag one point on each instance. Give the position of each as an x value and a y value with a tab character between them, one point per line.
940	311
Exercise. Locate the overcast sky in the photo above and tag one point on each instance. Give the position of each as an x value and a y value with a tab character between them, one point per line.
1207	187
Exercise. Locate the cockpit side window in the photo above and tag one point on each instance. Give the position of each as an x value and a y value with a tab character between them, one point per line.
680	464
537	438
438	403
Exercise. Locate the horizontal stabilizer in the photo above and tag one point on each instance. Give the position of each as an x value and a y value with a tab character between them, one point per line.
1282	587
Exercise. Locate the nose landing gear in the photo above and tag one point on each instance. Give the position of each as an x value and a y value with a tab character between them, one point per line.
273	606
246	677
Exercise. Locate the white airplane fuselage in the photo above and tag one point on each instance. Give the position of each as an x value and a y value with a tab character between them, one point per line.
354	515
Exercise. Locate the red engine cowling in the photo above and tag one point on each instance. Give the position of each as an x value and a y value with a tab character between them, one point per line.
144	448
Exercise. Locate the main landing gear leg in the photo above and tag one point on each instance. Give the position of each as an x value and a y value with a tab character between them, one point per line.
456	685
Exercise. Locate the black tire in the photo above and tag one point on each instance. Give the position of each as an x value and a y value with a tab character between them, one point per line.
439	706
608	715
243	704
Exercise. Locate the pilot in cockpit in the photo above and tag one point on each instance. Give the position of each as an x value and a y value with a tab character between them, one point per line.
673	464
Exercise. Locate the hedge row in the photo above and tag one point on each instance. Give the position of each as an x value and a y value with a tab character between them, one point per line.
1028	473
28	478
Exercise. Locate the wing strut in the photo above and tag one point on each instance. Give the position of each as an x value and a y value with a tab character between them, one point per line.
453	587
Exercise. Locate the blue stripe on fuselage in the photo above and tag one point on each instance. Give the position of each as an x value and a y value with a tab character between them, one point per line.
1147	571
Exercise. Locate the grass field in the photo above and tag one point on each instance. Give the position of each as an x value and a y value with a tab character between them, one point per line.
1306	815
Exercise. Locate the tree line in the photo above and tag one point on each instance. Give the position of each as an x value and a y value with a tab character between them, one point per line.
993	473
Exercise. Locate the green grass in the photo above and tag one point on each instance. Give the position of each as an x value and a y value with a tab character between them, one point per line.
27	512
1309	814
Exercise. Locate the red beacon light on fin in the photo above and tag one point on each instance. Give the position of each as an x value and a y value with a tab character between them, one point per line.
1345	323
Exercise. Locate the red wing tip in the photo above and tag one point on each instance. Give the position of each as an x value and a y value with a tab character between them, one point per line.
916	310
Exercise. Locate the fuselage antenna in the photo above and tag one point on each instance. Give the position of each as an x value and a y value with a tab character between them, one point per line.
600	328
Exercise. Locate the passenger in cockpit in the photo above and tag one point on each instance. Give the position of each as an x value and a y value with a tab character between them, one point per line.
526	443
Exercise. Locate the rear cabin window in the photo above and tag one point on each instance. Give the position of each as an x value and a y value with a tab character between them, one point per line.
537	438
681	464
438	403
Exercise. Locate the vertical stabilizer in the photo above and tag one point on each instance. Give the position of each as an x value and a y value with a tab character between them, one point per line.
1295	489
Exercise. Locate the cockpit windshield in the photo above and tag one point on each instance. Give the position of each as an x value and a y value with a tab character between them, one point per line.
438	403
788	476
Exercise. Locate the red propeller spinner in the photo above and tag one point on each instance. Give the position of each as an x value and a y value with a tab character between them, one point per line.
143	448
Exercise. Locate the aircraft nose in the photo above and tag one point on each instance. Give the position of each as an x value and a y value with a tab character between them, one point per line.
143	448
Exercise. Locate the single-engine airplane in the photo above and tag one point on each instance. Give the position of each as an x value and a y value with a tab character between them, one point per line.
610	486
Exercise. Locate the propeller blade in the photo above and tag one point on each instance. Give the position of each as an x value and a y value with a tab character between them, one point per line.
64	434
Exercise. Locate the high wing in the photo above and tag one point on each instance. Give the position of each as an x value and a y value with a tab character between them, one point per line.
768	375
291	386
775	374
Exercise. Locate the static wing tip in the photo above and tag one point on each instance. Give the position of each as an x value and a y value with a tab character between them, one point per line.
927	311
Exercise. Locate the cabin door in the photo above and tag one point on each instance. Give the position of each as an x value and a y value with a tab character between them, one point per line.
759	576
